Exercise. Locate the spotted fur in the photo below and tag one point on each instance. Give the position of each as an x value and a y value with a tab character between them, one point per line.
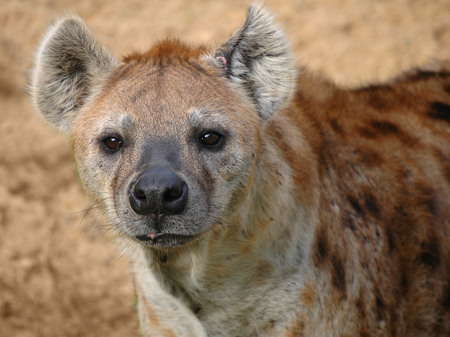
322	212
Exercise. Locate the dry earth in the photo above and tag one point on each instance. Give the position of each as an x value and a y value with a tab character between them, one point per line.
60	274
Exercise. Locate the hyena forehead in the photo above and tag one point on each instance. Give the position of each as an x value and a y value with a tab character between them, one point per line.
175	95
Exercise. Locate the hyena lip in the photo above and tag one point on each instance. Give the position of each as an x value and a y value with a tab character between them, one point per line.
165	240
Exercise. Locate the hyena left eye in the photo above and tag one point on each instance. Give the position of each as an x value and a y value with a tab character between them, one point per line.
112	143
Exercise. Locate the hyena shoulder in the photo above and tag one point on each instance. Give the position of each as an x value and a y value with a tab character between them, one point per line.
383	158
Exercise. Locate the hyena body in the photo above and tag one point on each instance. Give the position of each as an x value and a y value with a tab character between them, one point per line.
255	200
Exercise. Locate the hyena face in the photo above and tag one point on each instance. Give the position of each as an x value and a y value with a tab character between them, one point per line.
168	149
165	142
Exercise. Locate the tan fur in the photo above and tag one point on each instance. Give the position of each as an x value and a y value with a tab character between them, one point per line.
322	213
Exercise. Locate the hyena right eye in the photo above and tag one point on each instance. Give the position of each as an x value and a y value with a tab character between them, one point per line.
112	143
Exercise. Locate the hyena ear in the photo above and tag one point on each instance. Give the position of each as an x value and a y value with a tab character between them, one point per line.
69	66
258	58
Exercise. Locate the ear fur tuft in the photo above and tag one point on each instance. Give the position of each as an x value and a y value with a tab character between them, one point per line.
69	64
258	58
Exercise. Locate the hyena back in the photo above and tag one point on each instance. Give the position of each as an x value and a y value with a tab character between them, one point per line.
255	199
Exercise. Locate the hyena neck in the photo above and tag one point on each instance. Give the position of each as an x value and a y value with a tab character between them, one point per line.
274	214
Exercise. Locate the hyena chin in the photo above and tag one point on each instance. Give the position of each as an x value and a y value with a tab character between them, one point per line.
255	199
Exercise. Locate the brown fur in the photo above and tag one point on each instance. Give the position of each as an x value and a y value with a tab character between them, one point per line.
379	152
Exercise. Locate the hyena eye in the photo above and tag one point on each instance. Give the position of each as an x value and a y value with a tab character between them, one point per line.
112	143
210	139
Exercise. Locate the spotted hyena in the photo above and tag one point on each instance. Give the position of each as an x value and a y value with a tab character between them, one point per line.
256	199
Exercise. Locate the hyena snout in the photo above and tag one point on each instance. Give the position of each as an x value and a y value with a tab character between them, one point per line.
158	191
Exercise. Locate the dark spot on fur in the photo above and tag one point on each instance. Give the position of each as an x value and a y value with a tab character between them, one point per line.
348	221
355	204
377	233
272	323
377	101
446	297
390	239
428	199
297	330
447	88
406	173
380	307
322	249
335	126
366	132
368	157
385	127
424	75
338	274
400	223
372	205
440	111
363	332
369	90
431	205
404	282
361	306
430	255
444	161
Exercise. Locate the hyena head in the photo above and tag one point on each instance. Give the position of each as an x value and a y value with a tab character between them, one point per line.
165	141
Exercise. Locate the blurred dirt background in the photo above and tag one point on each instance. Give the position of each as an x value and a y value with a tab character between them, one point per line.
60	274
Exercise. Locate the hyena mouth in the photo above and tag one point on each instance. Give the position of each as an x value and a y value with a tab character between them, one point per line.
163	240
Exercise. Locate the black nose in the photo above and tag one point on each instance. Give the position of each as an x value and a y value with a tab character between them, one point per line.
158	191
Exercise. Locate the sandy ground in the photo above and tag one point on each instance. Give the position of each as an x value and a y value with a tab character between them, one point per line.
60	274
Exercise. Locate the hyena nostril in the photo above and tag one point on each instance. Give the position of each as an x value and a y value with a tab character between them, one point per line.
139	193
173	192
158	191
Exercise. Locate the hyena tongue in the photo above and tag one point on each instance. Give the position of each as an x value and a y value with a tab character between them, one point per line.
154	236
150	237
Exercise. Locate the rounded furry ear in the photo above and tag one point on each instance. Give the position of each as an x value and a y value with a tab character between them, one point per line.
258	58
69	65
